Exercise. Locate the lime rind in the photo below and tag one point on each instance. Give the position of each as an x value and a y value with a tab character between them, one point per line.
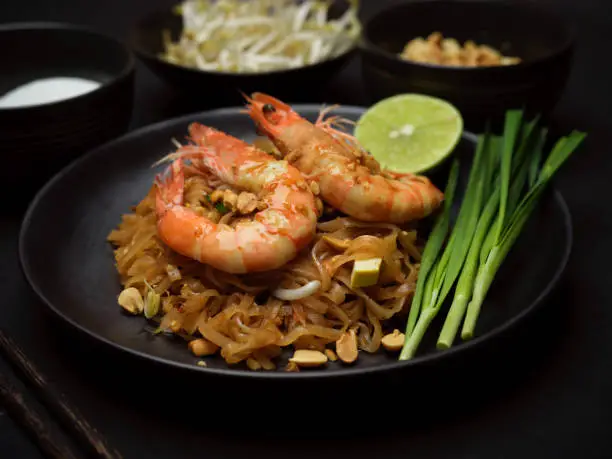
435	127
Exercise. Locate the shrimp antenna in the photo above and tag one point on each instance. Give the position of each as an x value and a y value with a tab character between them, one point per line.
335	125
185	151
247	98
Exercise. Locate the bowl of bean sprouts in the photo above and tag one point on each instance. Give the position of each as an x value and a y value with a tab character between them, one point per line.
212	50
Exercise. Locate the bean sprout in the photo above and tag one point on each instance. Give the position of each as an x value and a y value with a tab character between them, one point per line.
241	36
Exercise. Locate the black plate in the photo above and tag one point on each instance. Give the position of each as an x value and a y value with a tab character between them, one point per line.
69	264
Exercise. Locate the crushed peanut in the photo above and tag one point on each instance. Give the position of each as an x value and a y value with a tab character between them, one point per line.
213	215
202	347
131	300
230	199
201	363
308	358
331	355
292	367
247	203
314	187
346	347
173	272
253	364
244	203
216	196
436	49
319	205
393	341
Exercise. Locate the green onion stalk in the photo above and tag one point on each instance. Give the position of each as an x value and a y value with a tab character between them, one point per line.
486	274
466	280
449	265
505	184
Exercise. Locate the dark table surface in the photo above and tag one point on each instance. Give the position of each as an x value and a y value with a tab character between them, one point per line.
561	409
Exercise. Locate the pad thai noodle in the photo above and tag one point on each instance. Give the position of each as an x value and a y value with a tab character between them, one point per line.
245	252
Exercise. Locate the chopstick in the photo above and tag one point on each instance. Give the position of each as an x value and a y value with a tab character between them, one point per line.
68	416
27	416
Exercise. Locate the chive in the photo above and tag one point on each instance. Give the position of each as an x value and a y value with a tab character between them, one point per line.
493	161
428	293
449	266
494	211
219	205
465	284
528	132
463	214
529	145
511	130
560	153
466	222
221	208
433	246
534	167
466	281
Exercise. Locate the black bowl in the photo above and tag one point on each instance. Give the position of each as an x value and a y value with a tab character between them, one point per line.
541	39
207	89
38	140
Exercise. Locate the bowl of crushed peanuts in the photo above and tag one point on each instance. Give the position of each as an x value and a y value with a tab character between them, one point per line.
483	57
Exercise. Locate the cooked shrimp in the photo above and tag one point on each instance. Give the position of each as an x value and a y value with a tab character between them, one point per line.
270	239
349	179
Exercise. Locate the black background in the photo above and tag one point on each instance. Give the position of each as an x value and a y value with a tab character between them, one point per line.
561	407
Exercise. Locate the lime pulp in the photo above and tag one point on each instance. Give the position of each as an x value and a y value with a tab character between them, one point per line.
410	133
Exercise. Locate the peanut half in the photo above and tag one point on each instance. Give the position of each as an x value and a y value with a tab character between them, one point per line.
202	347
331	355
308	358
393	341
131	300
346	347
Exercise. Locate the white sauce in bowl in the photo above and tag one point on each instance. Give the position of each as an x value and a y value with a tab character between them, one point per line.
47	90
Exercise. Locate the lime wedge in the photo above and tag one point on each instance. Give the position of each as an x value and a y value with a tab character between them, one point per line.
410	133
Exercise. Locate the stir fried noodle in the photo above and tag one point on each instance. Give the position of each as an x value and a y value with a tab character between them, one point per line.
242	316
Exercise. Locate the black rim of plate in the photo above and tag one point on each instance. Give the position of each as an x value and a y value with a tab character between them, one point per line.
229	372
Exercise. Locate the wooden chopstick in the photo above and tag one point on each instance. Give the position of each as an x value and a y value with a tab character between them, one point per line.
58	407
24	413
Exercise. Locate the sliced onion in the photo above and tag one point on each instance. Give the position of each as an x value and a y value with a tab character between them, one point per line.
292	294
